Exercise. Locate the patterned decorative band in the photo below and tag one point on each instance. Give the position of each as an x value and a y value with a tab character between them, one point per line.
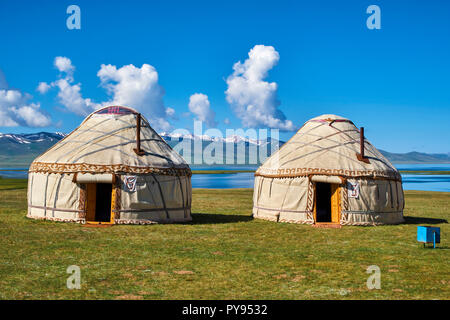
302	172
43	167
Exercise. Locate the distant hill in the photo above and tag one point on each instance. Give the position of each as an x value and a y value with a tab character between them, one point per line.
417	157
19	150
231	150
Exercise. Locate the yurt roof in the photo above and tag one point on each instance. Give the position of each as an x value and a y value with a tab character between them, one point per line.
327	145
104	143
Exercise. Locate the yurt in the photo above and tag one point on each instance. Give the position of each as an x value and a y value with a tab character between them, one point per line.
113	169
328	174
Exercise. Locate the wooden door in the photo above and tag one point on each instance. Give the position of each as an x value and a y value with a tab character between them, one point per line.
335	203
113	202
91	201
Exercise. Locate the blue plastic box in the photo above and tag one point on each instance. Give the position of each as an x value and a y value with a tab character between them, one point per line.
429	235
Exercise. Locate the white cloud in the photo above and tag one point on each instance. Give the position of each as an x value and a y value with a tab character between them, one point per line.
31	115
69	93
43	87
137	88
170	112
70	96
64	64
200	106
17	110
130	86
253	100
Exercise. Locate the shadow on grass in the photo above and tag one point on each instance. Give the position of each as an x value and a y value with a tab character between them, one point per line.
438	247
213	218
419	220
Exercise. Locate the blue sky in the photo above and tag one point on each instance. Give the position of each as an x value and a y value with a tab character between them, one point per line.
393	81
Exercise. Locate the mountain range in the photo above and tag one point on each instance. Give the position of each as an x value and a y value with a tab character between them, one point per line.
19	150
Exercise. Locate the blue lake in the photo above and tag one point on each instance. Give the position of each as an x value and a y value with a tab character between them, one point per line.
4	172
223	181
426	182
245	179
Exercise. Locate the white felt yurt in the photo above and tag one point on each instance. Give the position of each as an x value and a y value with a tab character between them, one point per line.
329	174
113	169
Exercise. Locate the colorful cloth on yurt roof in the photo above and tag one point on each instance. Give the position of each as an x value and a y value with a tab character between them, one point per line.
115	110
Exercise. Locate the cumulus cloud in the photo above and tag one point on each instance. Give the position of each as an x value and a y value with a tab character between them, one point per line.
127	86
252	99
43	87
170	112
64	64
69	93
70	97
199	105
137	88
17	110
31	115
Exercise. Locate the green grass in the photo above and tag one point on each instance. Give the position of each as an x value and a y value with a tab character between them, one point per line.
223	254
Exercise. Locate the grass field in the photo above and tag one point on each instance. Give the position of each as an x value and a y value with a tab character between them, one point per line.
222	254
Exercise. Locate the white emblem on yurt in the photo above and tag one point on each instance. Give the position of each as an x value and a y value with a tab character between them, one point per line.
353	190
130	182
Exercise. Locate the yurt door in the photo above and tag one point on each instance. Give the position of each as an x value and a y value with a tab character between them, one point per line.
91	189
335	203
327	203
99	196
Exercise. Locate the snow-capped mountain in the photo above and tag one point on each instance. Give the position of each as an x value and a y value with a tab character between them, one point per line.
229	139
231	150
32	137
21	149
